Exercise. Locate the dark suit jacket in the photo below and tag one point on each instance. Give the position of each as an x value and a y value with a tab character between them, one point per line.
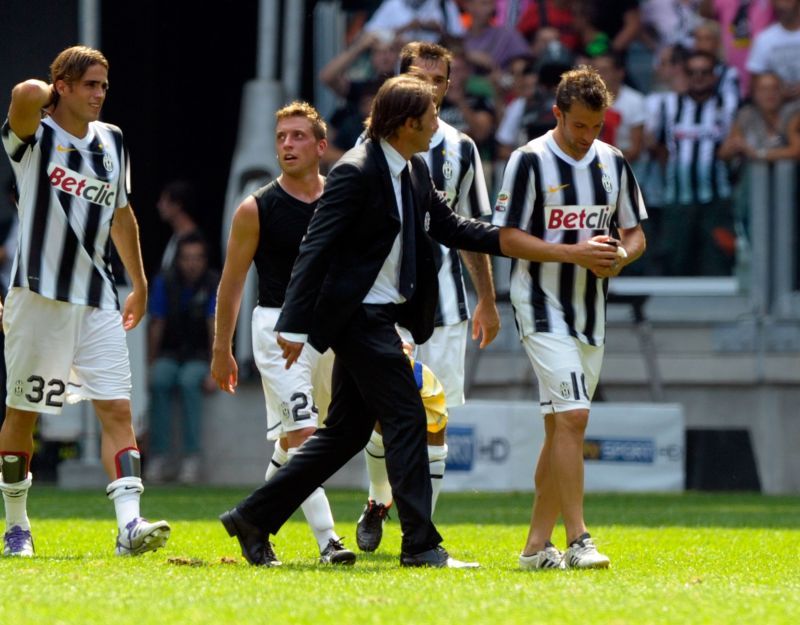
350	236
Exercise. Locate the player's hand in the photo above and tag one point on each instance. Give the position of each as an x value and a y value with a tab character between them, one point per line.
134	309
485	322
619	259
225	371
290	350
598	255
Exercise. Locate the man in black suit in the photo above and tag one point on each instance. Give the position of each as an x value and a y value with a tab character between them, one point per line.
366	264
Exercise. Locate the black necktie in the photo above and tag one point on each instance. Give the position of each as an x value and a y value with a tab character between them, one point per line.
408	262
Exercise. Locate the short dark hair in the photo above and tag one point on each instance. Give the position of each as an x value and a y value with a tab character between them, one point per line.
398	99
423	50
617	59
700	54
181	192
583	85
191	238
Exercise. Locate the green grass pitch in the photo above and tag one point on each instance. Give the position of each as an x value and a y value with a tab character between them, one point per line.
677	559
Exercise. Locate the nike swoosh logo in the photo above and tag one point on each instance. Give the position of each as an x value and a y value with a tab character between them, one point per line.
61	148
556	189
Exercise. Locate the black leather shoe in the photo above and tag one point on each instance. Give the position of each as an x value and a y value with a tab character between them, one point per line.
436	558
256	549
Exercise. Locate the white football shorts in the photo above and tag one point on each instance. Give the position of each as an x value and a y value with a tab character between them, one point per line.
567	370
57	351
297	397
444	354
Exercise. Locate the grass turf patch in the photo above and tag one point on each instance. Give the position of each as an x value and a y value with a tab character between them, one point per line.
693	558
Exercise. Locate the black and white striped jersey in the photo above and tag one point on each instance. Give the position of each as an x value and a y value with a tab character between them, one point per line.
457	172
561	200
692	133
69	189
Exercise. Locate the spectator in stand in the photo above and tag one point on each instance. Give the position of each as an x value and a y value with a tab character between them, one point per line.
180	332
517	79
508	12
620	20
670	22
342	75
176	206
777	48
549	20
531	115
740	21
707	38
697	218
467	105
487	47
594	41
417	20
347	122
628	110
769	128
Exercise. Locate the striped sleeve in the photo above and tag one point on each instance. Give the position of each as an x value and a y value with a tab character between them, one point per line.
630	203
15	147
473	195
517	191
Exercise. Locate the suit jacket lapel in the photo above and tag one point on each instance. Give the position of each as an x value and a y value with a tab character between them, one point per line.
390	205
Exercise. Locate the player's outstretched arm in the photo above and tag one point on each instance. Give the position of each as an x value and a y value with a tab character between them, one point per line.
242	245
27	101
125	234
596	258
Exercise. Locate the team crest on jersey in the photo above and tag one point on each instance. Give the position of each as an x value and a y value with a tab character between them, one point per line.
565	390
18	388
607	184
108	164
447	170
426	223
502	201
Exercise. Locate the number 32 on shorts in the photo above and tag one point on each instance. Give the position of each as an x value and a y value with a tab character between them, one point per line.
51	391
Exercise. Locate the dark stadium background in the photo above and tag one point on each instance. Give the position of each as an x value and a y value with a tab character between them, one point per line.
177	71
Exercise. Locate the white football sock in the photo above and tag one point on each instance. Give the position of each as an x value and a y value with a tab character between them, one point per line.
380	491
15	497
317	510
125	492
279	458
437	455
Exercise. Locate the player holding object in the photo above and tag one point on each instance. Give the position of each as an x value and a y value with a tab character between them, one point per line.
569	190
366	264
457	172
65	338
267	228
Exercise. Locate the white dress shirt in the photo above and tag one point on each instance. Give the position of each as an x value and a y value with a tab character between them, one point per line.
385	289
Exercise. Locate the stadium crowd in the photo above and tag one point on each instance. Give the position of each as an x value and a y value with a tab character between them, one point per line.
687	114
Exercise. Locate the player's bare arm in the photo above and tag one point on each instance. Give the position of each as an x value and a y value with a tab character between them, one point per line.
485	318
242	245
596	258
27	101
125	234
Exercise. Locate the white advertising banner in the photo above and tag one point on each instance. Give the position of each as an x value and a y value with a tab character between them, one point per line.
494	445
